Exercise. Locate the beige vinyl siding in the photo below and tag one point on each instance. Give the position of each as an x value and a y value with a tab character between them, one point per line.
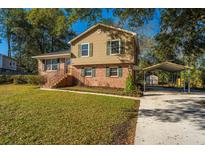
98	37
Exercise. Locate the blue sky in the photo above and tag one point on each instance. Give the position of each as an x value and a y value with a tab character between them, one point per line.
150	29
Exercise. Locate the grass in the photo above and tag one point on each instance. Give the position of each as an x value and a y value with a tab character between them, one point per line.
31	116
104	90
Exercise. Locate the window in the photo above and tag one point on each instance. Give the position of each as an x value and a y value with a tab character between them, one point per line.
113	72
52	64
48	64
88	71
85	49
115	47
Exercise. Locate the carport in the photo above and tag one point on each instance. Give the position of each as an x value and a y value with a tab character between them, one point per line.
174	68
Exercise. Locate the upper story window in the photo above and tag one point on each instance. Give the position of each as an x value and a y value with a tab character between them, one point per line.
85	49
52	64
114	47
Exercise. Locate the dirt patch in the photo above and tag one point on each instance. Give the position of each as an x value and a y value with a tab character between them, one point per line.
125	133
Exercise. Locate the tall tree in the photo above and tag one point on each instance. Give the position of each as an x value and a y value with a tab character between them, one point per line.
51	27
134	18
182	34
91	16
36	31
6	22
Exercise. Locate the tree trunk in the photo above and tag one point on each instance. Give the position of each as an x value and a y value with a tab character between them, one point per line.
9	42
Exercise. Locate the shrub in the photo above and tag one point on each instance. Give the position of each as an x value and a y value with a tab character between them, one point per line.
19	79
28	79
131	89
35	79
130	85
5	79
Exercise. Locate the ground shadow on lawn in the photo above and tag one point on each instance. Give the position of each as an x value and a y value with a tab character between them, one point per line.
186	109
125	133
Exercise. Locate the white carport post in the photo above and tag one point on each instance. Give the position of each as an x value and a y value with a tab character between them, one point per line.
189	81
144	80
185	80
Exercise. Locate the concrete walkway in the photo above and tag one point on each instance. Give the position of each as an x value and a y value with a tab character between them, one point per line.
91	93
171	119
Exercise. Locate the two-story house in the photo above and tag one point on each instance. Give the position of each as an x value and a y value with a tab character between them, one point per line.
101	56
7	64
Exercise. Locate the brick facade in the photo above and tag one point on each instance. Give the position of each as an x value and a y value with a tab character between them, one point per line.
100	78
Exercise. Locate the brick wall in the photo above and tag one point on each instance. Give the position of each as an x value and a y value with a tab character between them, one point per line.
100	79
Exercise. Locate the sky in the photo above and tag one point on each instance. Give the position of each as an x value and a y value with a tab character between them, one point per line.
150	29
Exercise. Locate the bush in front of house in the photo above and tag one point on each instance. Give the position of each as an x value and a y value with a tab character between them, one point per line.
35	79
130	85
5	79
131	89
28	79
19	79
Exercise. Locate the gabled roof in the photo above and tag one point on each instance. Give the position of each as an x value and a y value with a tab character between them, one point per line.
167	66
53	54
100	24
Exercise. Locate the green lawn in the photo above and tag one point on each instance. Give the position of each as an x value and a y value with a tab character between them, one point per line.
31	116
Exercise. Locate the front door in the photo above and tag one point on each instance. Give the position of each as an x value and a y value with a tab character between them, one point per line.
67	66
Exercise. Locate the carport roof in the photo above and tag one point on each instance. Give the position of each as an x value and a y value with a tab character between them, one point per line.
167	66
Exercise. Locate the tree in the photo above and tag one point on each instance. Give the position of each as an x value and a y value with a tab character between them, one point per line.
6	21
91	16
182	34
51	28
108	21
134	18
34	32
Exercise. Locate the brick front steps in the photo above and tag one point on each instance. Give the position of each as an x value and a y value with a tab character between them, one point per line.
58	80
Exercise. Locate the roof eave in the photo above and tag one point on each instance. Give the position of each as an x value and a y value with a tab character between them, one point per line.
51	56
173	67
132	33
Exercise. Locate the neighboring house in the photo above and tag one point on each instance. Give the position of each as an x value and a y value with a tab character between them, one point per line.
7	64
101	56
152	80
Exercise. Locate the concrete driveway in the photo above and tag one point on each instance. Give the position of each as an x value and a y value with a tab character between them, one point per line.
167	118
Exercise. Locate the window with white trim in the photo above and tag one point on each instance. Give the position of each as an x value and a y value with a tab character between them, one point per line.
114	47
88	72
52	64
114	71
85	49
